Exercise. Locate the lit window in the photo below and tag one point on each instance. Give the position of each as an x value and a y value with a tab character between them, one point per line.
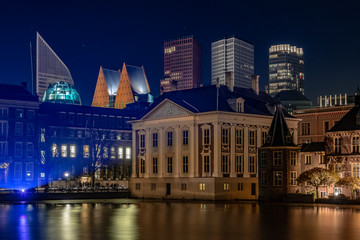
112	152
226	187
128	153
120	153
202	186
86	151
63	150
356	170
72	151
155	165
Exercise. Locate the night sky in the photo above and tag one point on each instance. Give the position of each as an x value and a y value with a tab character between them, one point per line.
90	34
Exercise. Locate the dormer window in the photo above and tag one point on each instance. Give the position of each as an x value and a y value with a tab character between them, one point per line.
240	105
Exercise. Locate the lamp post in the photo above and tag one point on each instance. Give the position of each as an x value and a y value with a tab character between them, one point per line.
66	174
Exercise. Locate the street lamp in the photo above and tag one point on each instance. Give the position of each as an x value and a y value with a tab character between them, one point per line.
66	174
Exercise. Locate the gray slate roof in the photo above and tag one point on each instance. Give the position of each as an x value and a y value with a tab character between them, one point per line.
198	100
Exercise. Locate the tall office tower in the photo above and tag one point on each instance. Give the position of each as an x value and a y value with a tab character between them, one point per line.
286	68
49	67
232	62
182	64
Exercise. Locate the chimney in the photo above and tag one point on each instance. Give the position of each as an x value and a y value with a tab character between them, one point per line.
229	80
255	83
267	89
173	86
24	84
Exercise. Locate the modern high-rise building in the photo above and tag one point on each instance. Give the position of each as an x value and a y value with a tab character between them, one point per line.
232	62
182	64
286	68
49	67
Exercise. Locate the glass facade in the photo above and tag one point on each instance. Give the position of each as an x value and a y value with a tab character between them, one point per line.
232	57
62	92
49	67
286	69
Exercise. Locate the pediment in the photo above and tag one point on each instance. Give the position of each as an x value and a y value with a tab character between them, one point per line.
167	109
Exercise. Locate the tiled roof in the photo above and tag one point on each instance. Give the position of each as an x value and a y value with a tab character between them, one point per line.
16	92
112	79
204	99
313	147
279	134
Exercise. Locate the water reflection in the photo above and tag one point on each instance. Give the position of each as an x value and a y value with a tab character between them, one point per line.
116	219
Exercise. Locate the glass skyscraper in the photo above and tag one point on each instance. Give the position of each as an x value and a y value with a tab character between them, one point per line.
232	58
286	69
49	67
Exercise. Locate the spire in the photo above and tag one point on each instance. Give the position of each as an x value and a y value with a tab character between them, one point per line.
279	134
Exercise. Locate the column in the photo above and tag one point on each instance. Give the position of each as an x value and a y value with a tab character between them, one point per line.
217	149
232	150
246	151
161	147
147	152
178	157
133	174
193	140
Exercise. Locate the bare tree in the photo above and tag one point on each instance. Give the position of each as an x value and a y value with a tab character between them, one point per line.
99	142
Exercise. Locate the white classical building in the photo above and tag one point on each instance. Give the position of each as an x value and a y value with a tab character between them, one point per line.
201	144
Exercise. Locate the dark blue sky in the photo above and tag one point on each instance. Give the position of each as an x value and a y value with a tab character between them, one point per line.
90	34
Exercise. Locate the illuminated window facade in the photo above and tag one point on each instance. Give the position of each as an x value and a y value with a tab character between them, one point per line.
182	64
286	69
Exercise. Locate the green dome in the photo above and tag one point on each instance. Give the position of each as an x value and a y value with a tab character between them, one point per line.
62	92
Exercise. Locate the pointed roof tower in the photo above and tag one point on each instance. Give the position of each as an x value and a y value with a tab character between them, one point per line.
106	88
279	134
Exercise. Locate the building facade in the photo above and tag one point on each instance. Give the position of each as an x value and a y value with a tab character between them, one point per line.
182	64
342	147
286	68
50	68
232	62
317	121
278	161
73	138
18	137
201	144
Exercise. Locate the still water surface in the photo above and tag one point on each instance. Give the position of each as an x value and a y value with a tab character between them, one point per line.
131	219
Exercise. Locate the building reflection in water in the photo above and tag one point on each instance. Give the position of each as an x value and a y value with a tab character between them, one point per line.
178	220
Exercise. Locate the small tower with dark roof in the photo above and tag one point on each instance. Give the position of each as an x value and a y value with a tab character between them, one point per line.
278	160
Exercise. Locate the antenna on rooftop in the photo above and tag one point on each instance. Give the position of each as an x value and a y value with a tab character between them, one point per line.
32	70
